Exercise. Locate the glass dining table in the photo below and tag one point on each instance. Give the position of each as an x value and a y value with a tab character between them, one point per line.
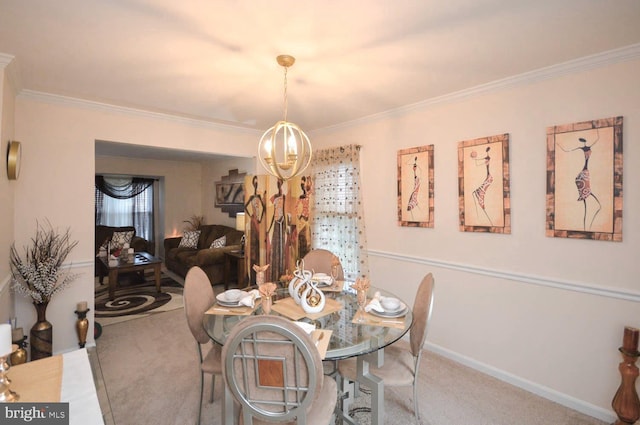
349	338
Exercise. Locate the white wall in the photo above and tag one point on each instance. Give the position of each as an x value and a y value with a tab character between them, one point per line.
545	313
7	193
57	179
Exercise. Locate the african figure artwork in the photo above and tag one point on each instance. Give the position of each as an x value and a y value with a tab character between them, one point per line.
277	213
481	191
584	196
415	186
277	231
483	175
413	198
583	181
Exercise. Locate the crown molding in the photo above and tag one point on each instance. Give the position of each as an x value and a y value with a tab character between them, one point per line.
599	60
10	66
5	59
125	110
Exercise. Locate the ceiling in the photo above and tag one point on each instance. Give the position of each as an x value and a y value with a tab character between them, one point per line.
214	60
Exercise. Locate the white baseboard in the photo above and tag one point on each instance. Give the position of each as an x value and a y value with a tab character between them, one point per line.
540	390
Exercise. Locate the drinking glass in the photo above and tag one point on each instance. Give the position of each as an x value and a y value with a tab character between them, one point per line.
334	275
361	296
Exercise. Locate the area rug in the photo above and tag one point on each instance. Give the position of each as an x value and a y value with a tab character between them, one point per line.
135	299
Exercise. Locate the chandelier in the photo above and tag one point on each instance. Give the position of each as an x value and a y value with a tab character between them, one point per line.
285	150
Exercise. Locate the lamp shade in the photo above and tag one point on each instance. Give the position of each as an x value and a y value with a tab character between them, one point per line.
5	339
240	221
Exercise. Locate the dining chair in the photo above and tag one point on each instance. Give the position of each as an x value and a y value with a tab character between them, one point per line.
401	362
273	370
198	297
320	261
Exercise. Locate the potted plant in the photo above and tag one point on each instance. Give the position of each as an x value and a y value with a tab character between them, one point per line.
40	274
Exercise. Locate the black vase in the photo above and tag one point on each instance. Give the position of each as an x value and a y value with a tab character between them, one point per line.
41	334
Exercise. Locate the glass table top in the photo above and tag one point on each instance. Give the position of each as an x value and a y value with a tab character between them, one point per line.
348	339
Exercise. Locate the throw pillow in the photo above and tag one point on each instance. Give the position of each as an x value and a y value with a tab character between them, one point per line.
220	242
190	239
120	238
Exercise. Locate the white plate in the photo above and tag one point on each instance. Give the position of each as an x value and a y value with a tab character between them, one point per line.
222	300
399	313
322	279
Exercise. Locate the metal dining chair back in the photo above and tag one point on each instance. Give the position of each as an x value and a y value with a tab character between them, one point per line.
320	261
274	371
401	365
198	297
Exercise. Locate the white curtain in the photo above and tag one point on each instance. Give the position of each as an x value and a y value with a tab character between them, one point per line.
337	217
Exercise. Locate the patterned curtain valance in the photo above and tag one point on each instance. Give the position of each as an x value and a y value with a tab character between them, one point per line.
122	187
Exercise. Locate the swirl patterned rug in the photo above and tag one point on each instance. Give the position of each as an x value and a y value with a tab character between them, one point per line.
135	299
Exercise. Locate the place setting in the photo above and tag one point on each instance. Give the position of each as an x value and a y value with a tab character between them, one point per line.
235	302
327	283
320	337
380	310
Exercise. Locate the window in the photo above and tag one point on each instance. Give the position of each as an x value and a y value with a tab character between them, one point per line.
126	201
338	218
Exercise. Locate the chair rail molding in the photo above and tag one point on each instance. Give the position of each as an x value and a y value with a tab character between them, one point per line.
585	288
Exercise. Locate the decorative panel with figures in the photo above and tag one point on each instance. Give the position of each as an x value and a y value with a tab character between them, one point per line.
277	215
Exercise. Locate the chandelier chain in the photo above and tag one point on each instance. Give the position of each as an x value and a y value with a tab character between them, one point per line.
285	93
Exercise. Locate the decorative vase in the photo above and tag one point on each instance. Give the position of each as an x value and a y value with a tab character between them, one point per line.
82	326
300	283
41	334
18	357
312	299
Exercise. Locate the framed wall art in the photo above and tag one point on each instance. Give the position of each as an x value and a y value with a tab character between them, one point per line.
415	186
230	193
584	180
484	201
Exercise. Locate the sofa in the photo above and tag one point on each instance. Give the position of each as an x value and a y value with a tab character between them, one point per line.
212	260
105	233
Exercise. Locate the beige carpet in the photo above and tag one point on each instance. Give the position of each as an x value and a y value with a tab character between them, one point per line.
150	372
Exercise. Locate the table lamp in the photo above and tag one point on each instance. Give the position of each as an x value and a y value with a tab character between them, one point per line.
240	226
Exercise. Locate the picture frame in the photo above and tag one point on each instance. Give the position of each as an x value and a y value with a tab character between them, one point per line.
584	180
229	193
416	187
484	194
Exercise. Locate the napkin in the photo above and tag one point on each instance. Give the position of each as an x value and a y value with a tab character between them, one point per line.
374	304
307	327
249	300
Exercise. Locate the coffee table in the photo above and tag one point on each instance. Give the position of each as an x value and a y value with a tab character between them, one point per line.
141	261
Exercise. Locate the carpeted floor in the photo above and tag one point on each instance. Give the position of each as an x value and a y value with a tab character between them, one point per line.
150	372
136	297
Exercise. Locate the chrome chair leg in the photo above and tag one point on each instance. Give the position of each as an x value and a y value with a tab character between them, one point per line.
200	399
